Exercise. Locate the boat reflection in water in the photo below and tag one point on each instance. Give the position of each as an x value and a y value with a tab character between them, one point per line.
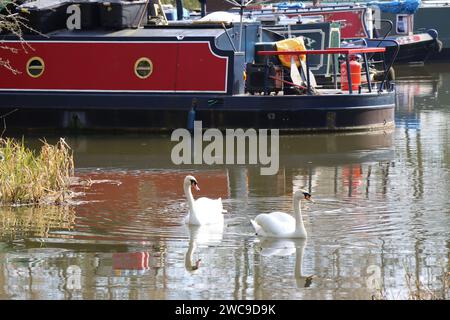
415	88
140	190
135	161
380	217
129	239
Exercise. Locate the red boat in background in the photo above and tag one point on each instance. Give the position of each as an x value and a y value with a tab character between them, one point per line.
127	71
358	21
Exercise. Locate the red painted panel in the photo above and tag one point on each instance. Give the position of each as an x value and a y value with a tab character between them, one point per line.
199	72
110	66
351	22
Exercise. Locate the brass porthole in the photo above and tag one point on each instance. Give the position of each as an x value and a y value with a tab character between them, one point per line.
35	67
143	68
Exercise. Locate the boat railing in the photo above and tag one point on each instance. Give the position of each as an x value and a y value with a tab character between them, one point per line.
386	66
281	11
346	53
388	32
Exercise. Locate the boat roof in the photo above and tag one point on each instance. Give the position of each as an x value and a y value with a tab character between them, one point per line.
159	32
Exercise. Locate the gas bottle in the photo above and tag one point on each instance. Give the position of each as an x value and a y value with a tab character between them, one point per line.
355	71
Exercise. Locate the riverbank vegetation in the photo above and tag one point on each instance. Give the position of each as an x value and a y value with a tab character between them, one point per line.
34	221
27	177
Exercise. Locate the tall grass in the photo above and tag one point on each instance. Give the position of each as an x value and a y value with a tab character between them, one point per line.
30	178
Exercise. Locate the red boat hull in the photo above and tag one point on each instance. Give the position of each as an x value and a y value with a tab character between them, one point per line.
109	66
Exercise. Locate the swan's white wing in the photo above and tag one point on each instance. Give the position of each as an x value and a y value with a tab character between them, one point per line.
204	203
275	224
208	211
283	217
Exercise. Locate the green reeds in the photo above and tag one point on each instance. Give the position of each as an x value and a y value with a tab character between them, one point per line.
30	178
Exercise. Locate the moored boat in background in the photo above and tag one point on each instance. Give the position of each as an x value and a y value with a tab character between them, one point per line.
358	21
160	77
435	13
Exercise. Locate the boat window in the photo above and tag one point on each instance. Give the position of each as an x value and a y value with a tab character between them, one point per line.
143	68
402	24
35	67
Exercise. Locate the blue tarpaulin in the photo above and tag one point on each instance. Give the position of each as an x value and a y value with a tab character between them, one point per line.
405	6
289	5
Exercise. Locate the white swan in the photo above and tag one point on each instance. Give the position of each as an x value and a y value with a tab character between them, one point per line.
203	210
283	225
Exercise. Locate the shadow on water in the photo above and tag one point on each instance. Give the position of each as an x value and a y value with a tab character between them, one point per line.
381	212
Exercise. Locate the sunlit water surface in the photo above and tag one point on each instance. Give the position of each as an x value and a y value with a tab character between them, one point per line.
380	226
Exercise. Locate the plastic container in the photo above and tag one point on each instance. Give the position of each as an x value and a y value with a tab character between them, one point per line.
122	14
90	13
43	16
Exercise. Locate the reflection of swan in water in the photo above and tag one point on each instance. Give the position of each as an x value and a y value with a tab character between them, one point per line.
201	235
271	247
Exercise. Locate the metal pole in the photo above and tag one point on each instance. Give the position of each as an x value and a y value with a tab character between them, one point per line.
383	58
143	14
203	8
308	80
366	68
334	71
241	11
349	76
179	4
229	38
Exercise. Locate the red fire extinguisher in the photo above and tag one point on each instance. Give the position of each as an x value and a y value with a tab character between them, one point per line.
355	71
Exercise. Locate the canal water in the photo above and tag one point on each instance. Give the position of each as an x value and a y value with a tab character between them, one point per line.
380	227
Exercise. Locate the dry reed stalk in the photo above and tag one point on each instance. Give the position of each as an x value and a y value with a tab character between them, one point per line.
29	178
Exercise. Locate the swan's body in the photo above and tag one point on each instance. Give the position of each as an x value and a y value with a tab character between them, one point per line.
280	224
204	210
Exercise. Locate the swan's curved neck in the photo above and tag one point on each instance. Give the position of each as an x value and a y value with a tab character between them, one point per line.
188	258
189	197
298	262
298	215
299	278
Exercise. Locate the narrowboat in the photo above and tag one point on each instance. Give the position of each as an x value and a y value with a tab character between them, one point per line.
395	22
435	13
128	72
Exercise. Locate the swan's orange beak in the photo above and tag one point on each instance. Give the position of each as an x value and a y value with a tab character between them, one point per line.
196	187
308	197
